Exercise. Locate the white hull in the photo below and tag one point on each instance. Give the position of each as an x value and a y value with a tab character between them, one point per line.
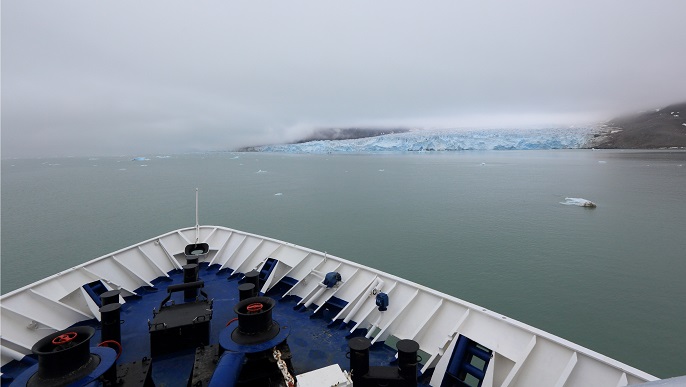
523	355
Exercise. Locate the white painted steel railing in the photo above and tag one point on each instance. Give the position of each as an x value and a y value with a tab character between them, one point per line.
523	355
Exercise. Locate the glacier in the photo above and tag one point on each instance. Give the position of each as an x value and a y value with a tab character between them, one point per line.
426	140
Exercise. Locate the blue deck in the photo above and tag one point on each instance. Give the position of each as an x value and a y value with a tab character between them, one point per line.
314	342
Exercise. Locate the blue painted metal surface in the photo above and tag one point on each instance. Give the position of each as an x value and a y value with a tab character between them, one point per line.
94	290
315	341
463	365
228	369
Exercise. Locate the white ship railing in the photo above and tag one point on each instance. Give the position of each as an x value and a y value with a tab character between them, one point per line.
523	355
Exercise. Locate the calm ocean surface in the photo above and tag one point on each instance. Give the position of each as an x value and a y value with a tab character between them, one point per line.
487	227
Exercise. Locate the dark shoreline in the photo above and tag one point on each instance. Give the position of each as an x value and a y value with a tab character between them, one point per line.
663	128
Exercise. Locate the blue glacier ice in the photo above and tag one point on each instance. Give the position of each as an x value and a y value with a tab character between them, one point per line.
447	140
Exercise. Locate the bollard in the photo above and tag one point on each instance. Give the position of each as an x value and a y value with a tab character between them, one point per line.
111	331
407	361
109	297
246	290
190	274
359	358
253	277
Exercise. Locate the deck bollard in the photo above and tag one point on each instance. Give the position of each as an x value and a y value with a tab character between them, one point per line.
111	331
246	290
109	297
359	358
190	274
407	360
253	277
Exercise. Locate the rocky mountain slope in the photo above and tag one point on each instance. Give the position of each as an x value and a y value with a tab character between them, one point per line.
655	129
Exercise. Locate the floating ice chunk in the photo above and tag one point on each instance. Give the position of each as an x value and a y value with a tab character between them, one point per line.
163	157
278	194
684	124
234	157
122	169
144	165
602	162
381	170
581	202
140	159
261	171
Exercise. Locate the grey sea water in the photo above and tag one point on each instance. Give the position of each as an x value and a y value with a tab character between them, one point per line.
487	227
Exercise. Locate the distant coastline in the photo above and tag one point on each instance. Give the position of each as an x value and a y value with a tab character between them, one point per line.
663	128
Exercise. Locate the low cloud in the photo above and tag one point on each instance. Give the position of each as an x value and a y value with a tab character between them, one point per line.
85	78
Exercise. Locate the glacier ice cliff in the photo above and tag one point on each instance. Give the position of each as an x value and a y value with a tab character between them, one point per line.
447	140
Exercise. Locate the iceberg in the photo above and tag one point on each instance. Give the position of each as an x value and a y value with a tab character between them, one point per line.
426	140
581	202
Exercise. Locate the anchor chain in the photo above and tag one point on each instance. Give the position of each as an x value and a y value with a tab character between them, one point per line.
290	382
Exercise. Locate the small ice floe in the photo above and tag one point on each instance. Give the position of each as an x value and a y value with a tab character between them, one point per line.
122	169
163	157
144	165
602	162
483	163
140	159
278	194
261	171
381	170
234	158
581	202
684	124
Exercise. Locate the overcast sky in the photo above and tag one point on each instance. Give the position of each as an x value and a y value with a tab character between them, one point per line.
89	78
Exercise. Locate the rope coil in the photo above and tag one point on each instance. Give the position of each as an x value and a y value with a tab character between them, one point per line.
255	307
112	344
